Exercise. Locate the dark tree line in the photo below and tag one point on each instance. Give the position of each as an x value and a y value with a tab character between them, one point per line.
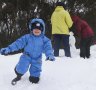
15	15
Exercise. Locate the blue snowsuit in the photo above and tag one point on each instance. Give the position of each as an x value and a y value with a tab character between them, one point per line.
33	47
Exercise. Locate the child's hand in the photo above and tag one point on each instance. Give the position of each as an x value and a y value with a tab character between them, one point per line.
4	51
50	58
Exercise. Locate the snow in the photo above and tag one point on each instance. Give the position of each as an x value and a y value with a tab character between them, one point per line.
62	74
4	5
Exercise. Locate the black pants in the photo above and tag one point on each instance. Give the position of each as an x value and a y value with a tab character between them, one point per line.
85	47
58	38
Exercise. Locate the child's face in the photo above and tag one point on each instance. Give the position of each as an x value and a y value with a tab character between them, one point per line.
36	32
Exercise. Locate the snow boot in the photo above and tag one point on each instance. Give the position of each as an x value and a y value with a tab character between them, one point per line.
14	81
34	79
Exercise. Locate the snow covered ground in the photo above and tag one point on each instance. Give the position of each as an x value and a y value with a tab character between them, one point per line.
63	74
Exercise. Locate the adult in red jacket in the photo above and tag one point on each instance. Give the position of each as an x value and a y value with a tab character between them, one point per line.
85	32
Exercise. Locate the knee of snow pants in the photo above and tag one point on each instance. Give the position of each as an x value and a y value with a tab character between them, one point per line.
35	68
23	64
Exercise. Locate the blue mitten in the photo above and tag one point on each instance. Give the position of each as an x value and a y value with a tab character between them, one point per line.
4	51
51	58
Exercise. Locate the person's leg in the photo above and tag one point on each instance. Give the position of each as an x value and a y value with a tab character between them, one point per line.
88	51
66	45
35	70
56	45
89	42
21	68
23	64
83	48
18	74
16	78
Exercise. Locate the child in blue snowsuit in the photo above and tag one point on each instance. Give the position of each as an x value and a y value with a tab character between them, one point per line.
34	44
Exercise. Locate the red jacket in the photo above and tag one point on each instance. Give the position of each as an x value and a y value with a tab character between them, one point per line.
82	27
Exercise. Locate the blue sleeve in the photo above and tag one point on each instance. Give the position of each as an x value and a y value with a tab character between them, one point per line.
18	44
48	47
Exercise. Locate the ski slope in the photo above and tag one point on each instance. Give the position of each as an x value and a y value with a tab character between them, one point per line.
63	74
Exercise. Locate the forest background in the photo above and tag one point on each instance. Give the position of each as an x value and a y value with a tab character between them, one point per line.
16	14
